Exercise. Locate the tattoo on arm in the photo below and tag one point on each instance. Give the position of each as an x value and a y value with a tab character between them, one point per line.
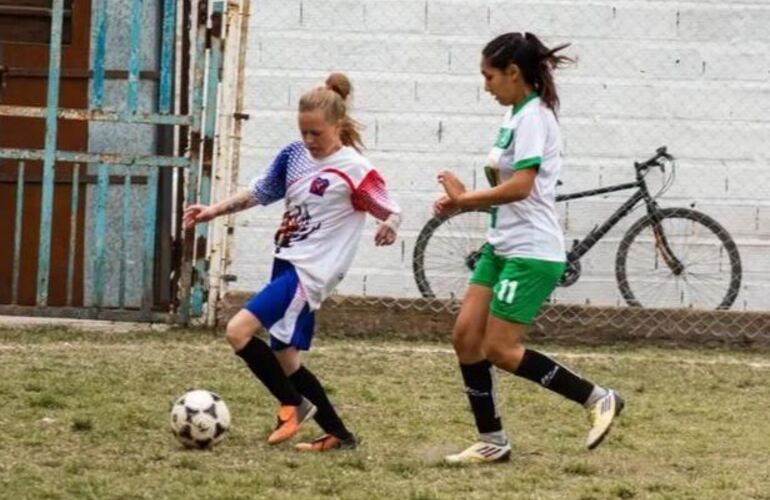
240	201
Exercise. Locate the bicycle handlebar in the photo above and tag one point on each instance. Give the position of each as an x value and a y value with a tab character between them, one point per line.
654	161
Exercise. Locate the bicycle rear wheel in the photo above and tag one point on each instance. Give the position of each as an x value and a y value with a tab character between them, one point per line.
685	259
446	252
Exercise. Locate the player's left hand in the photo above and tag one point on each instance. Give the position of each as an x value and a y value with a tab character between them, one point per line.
385	235
452	185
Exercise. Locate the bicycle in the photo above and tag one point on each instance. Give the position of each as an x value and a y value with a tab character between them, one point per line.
656	265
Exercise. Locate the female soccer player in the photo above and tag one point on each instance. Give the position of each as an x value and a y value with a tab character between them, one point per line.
524	256
328	188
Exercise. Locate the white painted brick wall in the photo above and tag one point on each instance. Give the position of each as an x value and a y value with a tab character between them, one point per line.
276	15
725	21
399	16
443	17
563	19
691	75
342	15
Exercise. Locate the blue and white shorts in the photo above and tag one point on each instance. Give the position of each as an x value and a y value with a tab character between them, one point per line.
283	310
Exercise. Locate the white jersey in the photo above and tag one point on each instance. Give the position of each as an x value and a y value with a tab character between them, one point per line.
326	205
529	136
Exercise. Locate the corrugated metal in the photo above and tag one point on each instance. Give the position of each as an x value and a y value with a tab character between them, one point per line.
17	233
49	156
195	162
73	232
190	298
200	283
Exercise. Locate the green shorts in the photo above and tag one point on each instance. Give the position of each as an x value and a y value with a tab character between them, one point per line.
520	285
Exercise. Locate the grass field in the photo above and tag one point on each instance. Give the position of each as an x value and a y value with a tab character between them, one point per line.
84	415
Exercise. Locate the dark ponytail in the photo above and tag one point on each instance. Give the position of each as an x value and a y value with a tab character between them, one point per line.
535	60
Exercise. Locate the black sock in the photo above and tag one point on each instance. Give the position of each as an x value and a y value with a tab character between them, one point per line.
480	390
309	386
263	363
542	370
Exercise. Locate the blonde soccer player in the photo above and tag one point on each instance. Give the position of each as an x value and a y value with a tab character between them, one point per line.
328	187
524	256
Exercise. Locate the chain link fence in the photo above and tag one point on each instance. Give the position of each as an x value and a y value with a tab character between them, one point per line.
691	76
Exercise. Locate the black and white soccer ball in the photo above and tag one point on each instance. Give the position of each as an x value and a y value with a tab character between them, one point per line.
200	419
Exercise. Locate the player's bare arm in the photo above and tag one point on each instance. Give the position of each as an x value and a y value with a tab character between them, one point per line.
196	214
516	188
236	203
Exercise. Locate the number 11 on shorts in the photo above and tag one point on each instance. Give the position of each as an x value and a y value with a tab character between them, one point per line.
506	291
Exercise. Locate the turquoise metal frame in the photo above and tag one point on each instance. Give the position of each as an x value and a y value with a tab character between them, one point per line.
195	162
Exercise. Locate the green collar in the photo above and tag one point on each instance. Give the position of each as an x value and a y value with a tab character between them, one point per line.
520	105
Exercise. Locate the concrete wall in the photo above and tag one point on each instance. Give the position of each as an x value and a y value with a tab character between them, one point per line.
694	76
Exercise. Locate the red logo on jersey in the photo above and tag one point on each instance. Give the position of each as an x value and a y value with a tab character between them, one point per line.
296	225
319	185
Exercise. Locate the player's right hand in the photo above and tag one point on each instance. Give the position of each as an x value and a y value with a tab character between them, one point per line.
195	214
443	206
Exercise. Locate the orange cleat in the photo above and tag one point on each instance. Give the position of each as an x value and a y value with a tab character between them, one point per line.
327	442
290	419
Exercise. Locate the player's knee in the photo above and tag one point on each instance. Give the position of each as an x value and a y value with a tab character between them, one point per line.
464	340
237	335
289	365
494	353
517	352
504	356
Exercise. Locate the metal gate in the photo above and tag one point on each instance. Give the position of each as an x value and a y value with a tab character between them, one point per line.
119	252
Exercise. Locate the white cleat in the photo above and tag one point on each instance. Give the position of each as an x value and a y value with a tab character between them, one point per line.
602	414
481	452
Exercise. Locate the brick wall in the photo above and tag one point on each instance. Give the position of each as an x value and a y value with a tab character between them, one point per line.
692	75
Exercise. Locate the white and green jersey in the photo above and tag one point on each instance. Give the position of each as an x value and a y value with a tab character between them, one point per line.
529	136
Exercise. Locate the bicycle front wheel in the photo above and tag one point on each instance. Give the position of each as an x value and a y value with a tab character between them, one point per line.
446	253
681	258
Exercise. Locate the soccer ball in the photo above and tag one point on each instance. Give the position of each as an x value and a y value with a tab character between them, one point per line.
200	419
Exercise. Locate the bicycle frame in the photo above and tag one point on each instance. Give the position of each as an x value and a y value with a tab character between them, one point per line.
581	247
